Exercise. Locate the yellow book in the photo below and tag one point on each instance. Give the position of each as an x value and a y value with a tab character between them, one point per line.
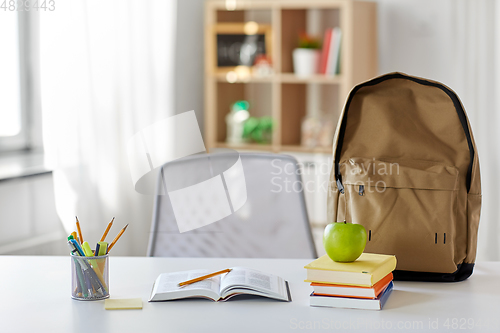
367	270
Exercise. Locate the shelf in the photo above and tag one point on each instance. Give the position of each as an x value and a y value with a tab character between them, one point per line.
302	149
283	78
246	146
225	5
224	77
271	148
318	78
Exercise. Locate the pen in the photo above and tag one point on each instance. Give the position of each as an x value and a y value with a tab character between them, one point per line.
204	277
117	238
107	230
74	250
79	286
77	246
81	280
79	230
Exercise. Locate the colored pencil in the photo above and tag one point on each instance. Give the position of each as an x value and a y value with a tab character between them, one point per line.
204	277
107	230
117	238
79	230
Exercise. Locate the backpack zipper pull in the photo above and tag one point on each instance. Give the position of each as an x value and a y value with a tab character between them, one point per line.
340	186
361	190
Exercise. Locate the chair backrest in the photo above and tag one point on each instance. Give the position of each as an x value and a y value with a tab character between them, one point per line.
272	223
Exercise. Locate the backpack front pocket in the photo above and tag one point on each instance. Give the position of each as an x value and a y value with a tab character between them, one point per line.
408	208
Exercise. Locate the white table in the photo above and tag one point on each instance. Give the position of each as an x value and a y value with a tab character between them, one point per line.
35	297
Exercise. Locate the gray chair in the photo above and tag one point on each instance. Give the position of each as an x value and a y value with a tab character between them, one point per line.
273	222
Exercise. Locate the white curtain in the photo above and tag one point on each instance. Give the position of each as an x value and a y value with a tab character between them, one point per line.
107	72
477	68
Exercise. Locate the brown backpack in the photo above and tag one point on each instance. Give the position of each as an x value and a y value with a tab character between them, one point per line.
406	168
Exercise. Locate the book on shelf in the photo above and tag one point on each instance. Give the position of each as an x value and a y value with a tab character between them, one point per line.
324	289
238	281
325	51
333	61
352	303
366	271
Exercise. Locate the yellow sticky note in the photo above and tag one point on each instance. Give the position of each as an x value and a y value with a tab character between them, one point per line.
123	304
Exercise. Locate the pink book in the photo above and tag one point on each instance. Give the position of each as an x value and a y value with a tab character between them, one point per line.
325	52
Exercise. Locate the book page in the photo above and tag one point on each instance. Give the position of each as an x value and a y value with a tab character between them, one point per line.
167	284
243	280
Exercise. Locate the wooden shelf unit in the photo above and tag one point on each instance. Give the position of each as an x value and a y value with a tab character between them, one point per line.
283	95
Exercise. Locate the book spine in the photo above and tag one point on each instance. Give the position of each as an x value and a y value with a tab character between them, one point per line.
335	51
331	52
325	51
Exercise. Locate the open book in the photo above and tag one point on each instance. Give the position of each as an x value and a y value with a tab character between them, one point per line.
238	281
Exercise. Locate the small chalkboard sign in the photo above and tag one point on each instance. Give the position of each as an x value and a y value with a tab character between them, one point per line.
236	47
239	50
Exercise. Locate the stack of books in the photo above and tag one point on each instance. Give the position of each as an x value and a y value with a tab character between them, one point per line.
363	284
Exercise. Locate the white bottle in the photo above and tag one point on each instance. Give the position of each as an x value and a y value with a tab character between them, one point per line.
235	121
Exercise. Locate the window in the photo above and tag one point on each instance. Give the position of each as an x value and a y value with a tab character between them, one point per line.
10	116
16	79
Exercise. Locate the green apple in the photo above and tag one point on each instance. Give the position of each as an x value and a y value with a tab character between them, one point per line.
344	242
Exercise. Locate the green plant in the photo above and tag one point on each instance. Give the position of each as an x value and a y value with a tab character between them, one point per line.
308	42
258	129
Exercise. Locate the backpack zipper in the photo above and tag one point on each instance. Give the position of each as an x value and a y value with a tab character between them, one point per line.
361	190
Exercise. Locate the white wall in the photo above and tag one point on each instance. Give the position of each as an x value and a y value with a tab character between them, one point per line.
189	58
416	37
428	38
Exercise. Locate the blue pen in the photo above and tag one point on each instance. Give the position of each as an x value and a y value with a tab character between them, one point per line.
80	287
84	280
78	247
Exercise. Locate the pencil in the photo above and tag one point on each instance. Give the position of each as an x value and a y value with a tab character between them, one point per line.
117	238
204	277
79	230
107	229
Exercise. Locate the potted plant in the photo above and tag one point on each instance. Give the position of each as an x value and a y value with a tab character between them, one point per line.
306	56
